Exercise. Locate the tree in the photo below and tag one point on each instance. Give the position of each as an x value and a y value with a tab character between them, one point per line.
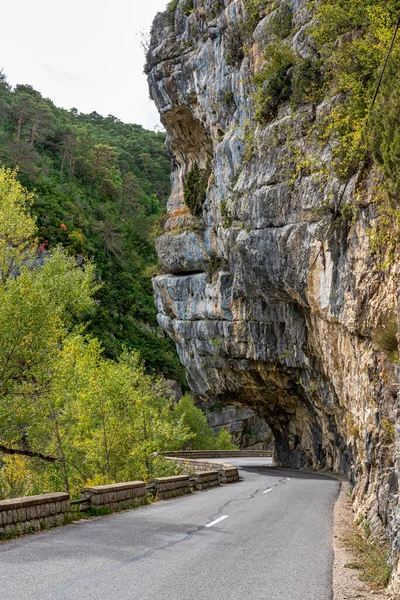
23	107
40	300
5	93
105	167
203	437
93	197
17	227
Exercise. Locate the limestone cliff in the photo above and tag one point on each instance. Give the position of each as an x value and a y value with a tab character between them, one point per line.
266	310
248	430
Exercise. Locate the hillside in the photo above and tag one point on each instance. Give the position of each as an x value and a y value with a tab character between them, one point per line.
100	188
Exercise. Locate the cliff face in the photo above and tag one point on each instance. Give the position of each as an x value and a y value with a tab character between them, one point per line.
248	430
266	309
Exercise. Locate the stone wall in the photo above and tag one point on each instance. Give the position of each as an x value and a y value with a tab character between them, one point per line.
203	480
170	487
33	513
118	495
227	473
220	454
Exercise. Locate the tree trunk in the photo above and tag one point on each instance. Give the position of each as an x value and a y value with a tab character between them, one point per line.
19	126
61	450
33	133
64	158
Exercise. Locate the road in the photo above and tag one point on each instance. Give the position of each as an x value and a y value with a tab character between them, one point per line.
268	537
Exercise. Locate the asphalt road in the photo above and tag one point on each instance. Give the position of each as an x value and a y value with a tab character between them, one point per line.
268	537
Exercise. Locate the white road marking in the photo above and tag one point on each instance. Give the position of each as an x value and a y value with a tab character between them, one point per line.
217	521
287	478
268	490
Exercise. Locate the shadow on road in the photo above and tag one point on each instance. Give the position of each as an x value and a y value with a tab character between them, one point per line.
282	472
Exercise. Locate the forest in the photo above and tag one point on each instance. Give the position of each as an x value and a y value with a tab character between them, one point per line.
83	398
100	186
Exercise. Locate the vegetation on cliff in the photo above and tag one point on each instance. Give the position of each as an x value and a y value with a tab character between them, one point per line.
348	49
195	189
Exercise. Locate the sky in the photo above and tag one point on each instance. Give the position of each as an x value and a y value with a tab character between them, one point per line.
85	54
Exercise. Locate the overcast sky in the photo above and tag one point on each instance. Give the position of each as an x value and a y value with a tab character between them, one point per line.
81	53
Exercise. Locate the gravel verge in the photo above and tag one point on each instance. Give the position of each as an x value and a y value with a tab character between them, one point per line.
346	582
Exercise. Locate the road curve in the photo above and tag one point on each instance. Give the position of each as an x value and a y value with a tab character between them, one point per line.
266	538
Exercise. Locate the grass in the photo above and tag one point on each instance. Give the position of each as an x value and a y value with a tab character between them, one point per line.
12	533
371	558
385	337
101	511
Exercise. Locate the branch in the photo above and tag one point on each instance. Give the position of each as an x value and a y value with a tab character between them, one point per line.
29	453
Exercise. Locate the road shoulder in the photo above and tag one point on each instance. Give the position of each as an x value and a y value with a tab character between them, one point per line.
346	582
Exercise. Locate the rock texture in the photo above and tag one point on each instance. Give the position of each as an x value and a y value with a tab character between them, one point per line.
265	311
248	430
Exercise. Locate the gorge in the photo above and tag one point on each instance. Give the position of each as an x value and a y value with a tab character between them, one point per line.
270	288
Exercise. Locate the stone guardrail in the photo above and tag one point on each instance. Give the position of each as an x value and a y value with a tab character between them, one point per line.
34	513
203	480
226	473
196	454
170	487
118	495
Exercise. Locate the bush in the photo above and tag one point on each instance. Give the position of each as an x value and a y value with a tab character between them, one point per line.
352	39
280	22
217	8
385	128
234	52
229	99
172	6
385	337
188	7
195	189
214	265
255	10
372	557
203	437
274	82
308	82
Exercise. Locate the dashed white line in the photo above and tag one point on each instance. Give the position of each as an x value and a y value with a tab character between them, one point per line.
217	521
268	490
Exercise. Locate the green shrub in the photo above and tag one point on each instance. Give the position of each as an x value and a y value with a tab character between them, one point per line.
224	441
203	438
226	215
172	6
274	82
308	82
388	432
352	38
372	557
195	189
385	337
234	51
229	99
280	22
255	11
385	128
216	263
187	7
217	7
